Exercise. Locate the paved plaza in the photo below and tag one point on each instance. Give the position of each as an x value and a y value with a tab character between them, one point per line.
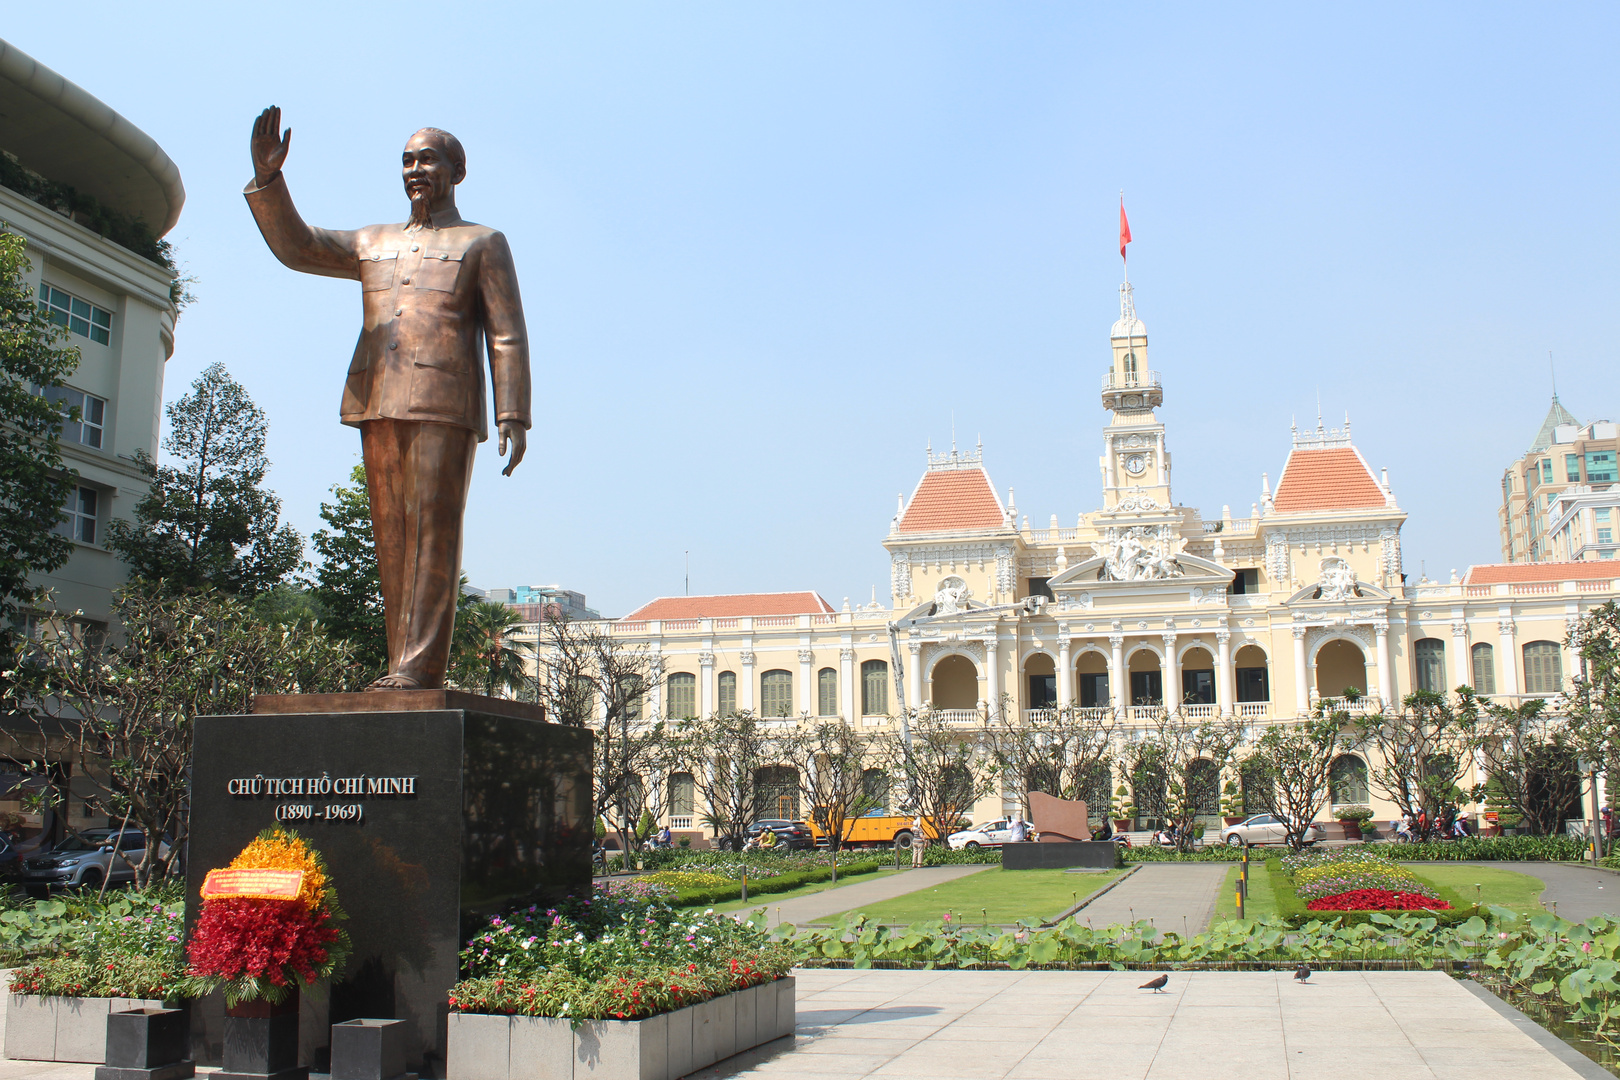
959	1025
886	885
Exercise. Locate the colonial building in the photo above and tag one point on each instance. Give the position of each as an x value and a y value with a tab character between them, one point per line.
1132	607
63	149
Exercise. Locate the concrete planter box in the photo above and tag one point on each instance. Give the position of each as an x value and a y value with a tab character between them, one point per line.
62	1028
662	1047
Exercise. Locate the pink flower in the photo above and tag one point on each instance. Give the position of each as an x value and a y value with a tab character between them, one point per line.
947	916
1586	946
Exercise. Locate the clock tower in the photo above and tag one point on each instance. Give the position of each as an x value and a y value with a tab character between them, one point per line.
1135	463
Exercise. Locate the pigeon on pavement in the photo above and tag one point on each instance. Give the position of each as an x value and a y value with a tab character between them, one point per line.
1302	973
1156	985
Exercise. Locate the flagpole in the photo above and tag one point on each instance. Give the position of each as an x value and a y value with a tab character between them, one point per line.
1125	262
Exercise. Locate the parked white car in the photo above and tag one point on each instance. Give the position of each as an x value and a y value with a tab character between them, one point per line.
990	834
1264	829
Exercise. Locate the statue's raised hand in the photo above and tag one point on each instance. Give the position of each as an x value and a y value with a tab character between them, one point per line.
269	149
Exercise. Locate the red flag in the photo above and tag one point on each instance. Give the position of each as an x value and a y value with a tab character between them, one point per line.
1124	229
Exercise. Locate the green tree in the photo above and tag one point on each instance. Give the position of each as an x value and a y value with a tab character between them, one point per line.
1422	749
346	584
486	657
119	712
1295	763
33	484
207	521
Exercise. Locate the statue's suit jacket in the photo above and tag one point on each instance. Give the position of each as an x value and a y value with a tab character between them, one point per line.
431	297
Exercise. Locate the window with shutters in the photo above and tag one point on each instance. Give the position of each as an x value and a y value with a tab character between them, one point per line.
632	696
1484	658
1429	656
874	688
726	694
826	692
1543	668
776	693
682	704
682	794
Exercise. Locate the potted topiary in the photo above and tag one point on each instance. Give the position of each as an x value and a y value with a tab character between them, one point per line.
1354	819
1231	803
1124	812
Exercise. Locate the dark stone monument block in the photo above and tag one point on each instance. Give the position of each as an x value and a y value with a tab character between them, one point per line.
1092	854
261	1042
433	809
147	1044
368	1050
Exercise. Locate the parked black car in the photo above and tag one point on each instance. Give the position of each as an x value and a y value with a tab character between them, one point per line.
794	835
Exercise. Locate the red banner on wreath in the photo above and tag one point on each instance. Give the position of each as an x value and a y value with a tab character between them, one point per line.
253	884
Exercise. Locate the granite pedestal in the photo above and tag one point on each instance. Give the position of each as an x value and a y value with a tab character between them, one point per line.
1092	854
433	810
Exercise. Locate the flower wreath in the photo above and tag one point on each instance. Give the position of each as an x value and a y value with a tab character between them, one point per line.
260	936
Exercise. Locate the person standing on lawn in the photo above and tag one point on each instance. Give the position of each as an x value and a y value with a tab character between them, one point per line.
918	839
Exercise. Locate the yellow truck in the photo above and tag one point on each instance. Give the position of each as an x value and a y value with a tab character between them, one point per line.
875	829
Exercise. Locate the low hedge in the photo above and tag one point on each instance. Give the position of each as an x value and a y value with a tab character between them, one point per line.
1493	849
1291	907
732	890
1155	853
937	855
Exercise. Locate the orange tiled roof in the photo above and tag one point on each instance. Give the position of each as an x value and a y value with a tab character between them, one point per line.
1328	479
1503	573
727	607
952	499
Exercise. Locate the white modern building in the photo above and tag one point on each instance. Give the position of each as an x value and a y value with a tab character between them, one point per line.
114	300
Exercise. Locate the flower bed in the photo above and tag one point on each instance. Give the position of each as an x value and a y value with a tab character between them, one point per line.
1366	876
1377	900
613	957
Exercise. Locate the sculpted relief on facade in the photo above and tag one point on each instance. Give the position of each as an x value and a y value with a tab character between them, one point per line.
1140	554
1337	580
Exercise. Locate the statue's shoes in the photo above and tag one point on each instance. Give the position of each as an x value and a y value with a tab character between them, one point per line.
395	682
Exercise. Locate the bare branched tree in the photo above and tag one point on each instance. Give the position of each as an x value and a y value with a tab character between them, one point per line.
1290	767
1066	752
1421	750
942	768
120	712
1175	767
725	755
1532	755
833	760
588	678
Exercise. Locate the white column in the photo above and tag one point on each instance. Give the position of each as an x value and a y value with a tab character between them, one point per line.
1386	688
1171	674
992	672
1461	676
1225	685
1116	670
1108	458
745	678
807	682
1509	660
848	702
1065	674
1302	685
705	682
914	696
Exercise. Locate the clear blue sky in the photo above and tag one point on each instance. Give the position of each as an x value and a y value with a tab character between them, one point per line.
767	249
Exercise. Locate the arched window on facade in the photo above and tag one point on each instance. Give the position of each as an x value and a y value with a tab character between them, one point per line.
1484	658
682	794
1130	369
726	694
827	692
1096	789
776	693
1429	658
1204	787
1347	780
1543	668
874	688
1256	785
776	792
682	703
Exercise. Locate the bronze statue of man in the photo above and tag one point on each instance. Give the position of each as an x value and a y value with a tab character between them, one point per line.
432	290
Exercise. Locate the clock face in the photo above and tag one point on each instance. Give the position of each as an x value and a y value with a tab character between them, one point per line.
1135	464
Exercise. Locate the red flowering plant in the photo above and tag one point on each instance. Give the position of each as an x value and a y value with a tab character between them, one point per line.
1377	900
616	956
261	947
126	947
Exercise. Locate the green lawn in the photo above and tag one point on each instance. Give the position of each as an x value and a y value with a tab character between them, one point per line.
997	896
767	899
1261	901
1505	888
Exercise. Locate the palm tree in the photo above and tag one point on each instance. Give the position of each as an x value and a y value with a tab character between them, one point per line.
486	658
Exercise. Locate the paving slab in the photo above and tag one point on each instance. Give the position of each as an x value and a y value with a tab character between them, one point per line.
1175	896
1579	892
1083	1025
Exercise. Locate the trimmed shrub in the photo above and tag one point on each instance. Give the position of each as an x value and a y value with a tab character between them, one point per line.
732	890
